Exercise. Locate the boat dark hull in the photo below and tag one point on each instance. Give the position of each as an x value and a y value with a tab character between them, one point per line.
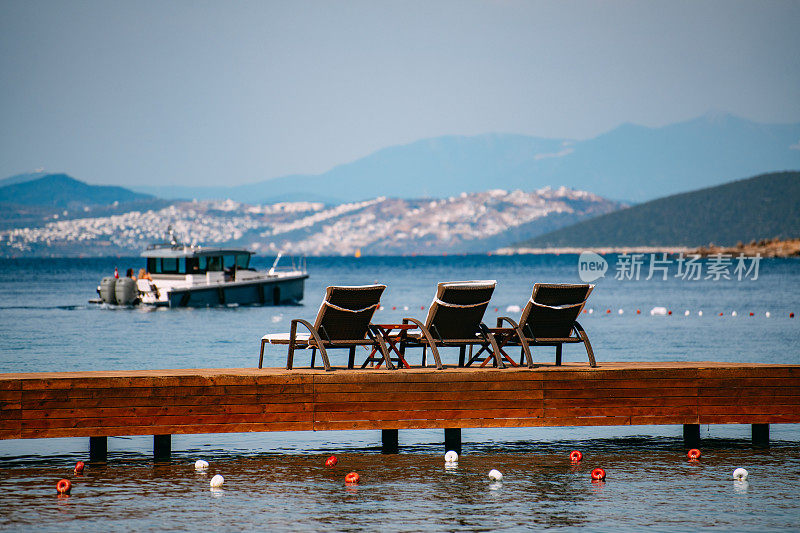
281	291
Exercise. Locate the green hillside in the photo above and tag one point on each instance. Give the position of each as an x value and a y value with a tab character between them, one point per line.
761	207
61	190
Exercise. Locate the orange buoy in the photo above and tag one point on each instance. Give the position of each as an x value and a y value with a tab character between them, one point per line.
669	312
394	308
693	454
575	456
598	474
495	309
422	308
791	315
63	486
720	314
331	461
608	311
751	314
638	311
352	478
79	466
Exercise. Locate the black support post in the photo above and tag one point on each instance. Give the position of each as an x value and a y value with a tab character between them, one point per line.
452	440
162	447
691	435
389	441
98	449
761	435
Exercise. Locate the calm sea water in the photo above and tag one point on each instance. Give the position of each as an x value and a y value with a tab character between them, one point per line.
277	481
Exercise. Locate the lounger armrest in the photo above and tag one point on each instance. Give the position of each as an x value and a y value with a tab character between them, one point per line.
585	338
487	335
428	339
375	336
502	319
317	341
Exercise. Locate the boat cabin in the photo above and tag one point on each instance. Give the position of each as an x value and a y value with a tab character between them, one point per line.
195	261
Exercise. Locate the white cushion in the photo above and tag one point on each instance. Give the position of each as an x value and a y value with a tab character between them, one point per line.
283	338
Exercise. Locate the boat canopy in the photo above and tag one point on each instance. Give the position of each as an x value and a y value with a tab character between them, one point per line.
185	260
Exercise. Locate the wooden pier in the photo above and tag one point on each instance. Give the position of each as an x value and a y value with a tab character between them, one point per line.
167	402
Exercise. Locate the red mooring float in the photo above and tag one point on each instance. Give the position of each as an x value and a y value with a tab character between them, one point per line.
693	454
63	486
79	466
352	478
331	461
598	474
575	456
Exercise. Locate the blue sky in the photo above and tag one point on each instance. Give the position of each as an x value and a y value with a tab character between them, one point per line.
210	93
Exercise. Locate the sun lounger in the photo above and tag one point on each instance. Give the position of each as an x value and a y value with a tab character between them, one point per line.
455	320
549	319
343	321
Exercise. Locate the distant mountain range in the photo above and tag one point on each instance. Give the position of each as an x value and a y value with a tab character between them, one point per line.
630	163
765	206
475	222
60	190
35	198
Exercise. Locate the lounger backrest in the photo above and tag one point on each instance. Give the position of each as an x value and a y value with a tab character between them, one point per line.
458	308
346	312
553	309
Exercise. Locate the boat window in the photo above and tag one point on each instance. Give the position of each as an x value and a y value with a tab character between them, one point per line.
169	265
214	263
153	265
229	261
193	265
242	260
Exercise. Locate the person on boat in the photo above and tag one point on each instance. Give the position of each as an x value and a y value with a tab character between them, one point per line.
129	274
144	274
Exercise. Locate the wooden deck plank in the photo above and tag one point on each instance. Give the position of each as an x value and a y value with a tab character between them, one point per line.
241	400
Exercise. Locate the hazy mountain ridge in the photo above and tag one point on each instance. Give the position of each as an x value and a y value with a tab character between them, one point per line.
61	190
630	162
476	222
756	208
34	199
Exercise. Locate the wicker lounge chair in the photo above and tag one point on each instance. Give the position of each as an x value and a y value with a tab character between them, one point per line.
549	319
454	320
343	321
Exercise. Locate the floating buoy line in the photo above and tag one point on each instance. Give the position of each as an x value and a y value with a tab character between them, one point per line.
654	311
598	474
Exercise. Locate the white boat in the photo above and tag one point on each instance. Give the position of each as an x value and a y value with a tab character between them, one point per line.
194	276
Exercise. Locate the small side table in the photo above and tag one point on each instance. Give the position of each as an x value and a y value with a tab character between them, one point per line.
503	336
391	339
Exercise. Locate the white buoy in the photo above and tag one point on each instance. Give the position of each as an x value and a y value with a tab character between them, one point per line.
740	474
620	311
733	313
766	314
217	481
380	308
405	308
686	313
591	310
513	309
699	313
495	475
200	465
451	457
660	311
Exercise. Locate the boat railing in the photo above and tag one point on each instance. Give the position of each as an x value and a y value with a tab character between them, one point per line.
299	267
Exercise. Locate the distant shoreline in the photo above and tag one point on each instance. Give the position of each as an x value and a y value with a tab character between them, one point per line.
765	247
602	250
